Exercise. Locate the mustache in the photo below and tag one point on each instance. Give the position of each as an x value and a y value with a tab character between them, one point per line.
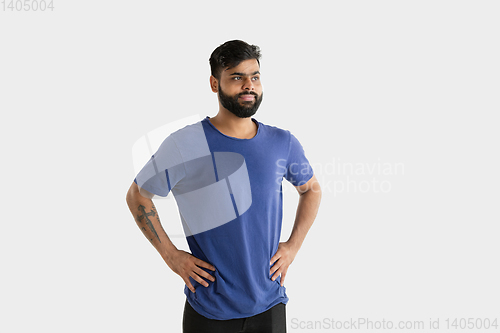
248	93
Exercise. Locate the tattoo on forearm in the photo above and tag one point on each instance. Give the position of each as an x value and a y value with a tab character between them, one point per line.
143	216
144	232
158	218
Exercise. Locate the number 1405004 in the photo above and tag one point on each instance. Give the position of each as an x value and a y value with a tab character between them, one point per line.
27	5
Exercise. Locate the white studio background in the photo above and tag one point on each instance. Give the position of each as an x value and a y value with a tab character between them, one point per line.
393	101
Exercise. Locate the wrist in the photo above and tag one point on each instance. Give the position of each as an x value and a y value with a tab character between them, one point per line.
168	253
294	244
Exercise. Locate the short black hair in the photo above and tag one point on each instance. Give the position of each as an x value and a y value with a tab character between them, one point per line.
230	54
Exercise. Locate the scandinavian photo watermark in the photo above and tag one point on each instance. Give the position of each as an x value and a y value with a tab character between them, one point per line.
338	176
470	323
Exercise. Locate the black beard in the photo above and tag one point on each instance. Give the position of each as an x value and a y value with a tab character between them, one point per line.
245	110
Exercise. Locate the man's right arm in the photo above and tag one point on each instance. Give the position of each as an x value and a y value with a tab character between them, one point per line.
182	263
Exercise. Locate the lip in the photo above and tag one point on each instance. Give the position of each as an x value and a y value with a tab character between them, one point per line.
247	97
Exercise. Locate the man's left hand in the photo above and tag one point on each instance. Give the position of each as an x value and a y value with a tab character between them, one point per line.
282	259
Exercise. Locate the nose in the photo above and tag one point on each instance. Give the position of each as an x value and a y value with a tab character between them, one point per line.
248	84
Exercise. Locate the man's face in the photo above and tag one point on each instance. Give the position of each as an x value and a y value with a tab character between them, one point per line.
240	90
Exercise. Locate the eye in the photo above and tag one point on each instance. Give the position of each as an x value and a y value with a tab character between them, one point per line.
255	78
236	78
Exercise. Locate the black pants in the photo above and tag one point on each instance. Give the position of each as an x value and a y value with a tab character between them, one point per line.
270	321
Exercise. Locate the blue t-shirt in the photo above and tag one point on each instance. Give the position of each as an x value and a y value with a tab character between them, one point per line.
229	194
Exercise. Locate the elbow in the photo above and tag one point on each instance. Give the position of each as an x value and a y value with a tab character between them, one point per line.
131	196
136	195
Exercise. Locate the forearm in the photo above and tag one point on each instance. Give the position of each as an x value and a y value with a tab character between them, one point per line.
147	219
181	262
310	197
307	210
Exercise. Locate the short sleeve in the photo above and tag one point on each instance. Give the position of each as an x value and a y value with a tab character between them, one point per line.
163	170
298	170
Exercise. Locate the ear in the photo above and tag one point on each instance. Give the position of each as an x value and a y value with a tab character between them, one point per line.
214	84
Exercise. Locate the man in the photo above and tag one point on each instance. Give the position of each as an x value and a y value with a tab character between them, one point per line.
226	173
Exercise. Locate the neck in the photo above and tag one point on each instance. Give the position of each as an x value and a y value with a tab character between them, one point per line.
231	125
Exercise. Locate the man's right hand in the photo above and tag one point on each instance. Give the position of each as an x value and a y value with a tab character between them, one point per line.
186	265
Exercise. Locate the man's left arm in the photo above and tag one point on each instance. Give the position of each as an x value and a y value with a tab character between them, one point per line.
310	197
